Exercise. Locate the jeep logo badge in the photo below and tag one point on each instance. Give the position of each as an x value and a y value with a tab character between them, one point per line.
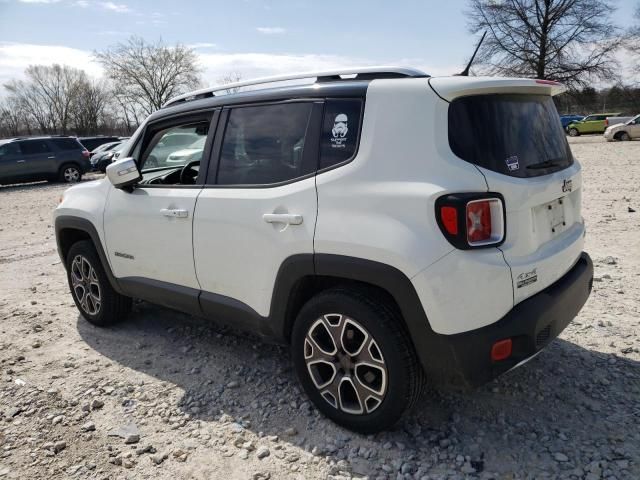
567	185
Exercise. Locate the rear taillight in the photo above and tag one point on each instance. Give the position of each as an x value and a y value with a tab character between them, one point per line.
472	220
606	122
86	154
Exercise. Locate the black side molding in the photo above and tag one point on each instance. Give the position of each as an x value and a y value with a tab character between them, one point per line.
434	354
65	225
183	299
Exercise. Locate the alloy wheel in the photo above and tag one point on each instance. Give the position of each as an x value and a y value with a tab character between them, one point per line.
71	174
345	364
85	284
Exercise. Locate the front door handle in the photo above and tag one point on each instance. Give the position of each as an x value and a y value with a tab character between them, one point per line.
174	212
287	218
53	156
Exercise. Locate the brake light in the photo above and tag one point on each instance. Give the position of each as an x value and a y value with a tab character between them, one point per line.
606	122
86	154
471	220
478	221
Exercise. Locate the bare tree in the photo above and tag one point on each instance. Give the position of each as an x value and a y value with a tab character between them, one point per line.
89	106
150	74
12	119
48	95
632	43
571	41
231	77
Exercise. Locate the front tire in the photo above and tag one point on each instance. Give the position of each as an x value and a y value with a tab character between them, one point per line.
69	173
625	137
355	360
92	292
574	132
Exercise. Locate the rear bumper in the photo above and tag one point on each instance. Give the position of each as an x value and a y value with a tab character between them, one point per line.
532	325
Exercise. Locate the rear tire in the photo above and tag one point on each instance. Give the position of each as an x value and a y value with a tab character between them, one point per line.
69	173
92	292
346	346
574	132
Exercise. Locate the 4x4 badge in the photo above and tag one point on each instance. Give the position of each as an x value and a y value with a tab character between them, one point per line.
567	185
527	278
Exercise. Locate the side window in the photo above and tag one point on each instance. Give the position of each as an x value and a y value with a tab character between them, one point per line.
34	146
340	131
176	146
9	149
264	144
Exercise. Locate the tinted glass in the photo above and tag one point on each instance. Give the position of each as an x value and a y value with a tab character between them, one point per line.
264	145
340	131
34	146
517	135
9	149
176	146
67	143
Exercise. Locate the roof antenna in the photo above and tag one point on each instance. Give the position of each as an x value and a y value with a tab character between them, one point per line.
465	72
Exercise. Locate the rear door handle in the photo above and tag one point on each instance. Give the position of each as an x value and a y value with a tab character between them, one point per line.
287	218
52	156
174	212
21	161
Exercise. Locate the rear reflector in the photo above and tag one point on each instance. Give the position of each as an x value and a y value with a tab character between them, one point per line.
449	217
501	350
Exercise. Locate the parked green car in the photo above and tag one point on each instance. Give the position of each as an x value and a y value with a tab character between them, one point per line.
594	123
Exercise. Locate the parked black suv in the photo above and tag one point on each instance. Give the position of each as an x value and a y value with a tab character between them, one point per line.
61	159
91	143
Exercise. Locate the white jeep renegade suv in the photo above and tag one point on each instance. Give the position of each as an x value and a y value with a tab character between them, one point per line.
389	226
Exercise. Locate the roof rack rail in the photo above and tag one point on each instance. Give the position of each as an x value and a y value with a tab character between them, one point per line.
361	73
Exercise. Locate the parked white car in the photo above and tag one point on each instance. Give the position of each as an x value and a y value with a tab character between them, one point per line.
390	227
624	131
192	153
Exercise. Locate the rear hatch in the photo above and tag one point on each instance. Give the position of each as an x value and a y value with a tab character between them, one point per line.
511	131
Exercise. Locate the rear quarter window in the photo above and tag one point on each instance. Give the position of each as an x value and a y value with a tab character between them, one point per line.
340	131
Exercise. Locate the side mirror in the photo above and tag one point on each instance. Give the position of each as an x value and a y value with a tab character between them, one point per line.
123	173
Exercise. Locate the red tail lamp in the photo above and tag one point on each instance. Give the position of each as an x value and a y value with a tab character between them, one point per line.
501	350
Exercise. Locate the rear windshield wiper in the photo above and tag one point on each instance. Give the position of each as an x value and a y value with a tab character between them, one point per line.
546	164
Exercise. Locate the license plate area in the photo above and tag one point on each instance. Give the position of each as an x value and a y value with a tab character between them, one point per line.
556	216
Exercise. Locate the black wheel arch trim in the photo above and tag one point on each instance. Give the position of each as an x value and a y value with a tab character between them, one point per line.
69	222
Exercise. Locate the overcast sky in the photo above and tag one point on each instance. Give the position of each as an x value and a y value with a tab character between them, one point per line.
251	37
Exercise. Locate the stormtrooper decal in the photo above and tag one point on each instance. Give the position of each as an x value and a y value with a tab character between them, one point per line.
339	131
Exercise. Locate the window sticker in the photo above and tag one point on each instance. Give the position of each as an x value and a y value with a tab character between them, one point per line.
513	163
339	131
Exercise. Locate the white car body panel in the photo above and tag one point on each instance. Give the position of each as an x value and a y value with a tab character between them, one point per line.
161	246
87	201
237	253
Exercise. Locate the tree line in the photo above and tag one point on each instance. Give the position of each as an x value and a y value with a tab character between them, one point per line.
571	41
57	99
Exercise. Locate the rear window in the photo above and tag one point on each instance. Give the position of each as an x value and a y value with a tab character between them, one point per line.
67	143
516	135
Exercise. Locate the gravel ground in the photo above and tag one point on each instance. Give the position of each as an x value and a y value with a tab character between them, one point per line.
165	395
